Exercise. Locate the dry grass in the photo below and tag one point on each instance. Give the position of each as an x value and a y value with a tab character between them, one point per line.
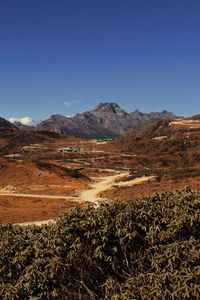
189	123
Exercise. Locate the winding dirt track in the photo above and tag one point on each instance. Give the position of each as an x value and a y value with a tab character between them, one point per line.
37	196
90	195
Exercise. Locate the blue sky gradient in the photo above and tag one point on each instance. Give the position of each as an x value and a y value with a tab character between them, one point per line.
66	56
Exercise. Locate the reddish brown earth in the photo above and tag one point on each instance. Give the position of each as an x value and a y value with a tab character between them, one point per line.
18	209
30	164
142	190
38	169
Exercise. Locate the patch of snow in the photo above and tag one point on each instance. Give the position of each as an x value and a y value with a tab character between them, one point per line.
25	121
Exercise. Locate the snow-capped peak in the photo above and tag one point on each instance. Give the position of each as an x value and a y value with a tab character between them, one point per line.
25	121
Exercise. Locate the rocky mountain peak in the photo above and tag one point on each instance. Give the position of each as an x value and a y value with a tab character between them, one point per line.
106	120
109	108
136	112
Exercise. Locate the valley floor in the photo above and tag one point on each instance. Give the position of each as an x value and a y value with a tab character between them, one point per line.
39	183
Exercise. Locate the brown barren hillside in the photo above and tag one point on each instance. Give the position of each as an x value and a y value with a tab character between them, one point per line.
161	155
178	137
168	149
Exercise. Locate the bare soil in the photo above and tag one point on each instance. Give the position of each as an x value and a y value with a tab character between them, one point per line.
22	209
30	164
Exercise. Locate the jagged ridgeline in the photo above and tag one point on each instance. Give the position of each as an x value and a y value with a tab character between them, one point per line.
140	249
106	120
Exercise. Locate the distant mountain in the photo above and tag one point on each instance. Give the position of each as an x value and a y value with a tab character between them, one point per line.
79	126
6	124
140	117
24	123
105	120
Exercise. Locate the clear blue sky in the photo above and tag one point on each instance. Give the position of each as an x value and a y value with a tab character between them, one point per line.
65	56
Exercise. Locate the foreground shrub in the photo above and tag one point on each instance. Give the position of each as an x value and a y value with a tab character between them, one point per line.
140	249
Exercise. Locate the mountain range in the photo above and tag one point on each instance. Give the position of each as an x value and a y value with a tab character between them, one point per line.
105	120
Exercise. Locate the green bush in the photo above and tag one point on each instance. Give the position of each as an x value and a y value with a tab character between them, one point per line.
140	249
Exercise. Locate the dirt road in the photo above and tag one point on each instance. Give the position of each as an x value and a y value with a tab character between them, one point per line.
38	223
106	183
90	195
136	181
38	196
